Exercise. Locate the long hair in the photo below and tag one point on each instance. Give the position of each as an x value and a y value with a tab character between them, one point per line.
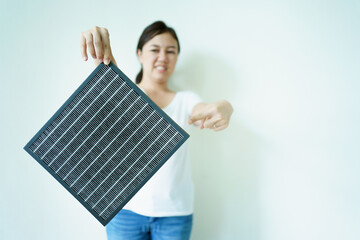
156	28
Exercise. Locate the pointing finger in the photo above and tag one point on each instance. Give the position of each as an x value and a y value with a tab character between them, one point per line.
197	117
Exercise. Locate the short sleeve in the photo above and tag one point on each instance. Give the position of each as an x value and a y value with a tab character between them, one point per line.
191	100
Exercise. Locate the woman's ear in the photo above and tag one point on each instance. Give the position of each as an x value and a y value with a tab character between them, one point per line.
139	54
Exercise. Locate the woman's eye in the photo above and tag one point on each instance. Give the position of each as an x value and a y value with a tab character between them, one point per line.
171	52
154	50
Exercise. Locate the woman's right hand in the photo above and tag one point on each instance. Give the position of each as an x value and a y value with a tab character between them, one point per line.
96	41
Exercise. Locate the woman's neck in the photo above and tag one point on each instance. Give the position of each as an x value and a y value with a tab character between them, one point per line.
153	86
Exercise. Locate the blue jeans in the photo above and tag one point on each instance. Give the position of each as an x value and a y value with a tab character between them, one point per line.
127	225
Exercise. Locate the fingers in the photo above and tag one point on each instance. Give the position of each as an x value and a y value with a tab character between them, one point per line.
209	122
217	129
98	46
212	123
96	42
197	117
215	122
106	44
89	43
83	47
216	125
202	125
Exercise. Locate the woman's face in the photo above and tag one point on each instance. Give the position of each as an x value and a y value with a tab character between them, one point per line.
158	57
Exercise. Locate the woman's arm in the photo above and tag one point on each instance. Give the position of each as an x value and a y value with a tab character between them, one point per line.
97	42
215	116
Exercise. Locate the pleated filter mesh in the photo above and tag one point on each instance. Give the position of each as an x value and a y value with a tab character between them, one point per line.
106	142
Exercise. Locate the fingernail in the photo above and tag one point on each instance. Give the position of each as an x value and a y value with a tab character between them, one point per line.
85	58
107	61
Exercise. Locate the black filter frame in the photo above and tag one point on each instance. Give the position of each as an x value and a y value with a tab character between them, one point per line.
118	72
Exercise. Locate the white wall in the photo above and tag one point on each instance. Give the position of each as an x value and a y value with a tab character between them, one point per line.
287	167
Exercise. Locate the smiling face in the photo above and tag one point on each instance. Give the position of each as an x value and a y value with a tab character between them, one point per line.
158	58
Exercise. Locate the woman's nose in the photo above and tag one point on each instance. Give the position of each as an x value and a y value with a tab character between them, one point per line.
162	55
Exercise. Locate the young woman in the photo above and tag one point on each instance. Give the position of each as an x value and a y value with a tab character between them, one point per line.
163	208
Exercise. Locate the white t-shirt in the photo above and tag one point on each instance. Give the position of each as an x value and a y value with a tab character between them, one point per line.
170	191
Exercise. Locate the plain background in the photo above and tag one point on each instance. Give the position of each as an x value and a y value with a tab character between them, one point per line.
288	166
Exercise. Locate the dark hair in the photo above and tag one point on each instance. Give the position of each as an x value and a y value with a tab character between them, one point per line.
151	31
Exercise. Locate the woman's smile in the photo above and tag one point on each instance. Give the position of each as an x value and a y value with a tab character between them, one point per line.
161	68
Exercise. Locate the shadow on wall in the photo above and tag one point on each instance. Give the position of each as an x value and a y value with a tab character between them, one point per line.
225	165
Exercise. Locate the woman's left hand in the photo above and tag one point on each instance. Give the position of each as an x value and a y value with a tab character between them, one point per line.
215	116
